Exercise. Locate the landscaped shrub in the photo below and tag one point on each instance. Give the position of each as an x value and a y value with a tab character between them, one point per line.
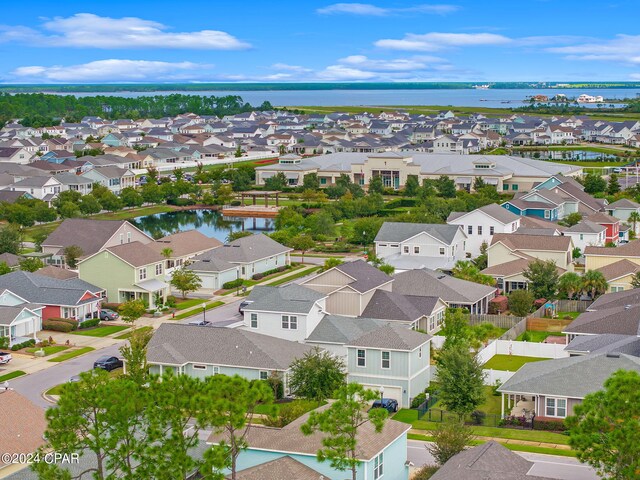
549	425
500	304
71	321
89	323
258	276
171	301
418	400
283	268
526	336
56	326
233	284
236	203
478	417
180	202
28	343
425	472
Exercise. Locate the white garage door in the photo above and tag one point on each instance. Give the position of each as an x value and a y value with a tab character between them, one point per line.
209	281
389	392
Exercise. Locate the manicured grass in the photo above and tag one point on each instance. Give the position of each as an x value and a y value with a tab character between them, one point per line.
48	350
57	390
190	302
134	212
509	362
125	336
538	337
591	164
72	354
300	274
100	331
196	311
9	376
491	404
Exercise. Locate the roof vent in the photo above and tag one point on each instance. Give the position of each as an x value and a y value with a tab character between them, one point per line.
613	355
627	307
206	260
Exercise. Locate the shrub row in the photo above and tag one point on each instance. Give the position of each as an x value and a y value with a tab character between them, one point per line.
258	276
549	425
71	321
89	323
56	326
233	284
418	400
28	343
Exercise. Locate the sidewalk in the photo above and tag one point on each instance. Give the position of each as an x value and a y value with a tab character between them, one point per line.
504	440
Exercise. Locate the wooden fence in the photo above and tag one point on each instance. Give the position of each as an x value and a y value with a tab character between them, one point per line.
500	321
547	324
572	305
515	331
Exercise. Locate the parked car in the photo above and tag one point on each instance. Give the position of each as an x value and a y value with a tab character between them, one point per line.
389	404
243	305
5	357
200	323
108	363
106	314
617	170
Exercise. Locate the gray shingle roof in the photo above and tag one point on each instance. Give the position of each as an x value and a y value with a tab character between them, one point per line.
623	203
398	232
291	298
428	283
493	210
177	344
341	330
624	320
46	290
586	226
246	249
366	276
573	377
395	306
283	468
629	344
136	253
394	336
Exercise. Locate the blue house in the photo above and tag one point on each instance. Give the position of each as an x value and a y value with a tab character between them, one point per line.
382	454
532	209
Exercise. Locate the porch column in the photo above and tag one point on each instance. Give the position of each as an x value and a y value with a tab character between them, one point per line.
502	405
33	327
266	200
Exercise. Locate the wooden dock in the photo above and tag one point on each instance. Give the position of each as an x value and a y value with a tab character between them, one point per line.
259	211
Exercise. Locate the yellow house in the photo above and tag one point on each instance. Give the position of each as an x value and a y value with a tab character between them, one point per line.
617	264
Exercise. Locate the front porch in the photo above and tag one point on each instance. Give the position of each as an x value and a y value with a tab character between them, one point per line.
152	292
19	331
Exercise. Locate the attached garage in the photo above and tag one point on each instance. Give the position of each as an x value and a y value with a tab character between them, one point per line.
389	392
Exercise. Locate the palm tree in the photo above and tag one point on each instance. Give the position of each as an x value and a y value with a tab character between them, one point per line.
166	252
570	283
594	283
634	218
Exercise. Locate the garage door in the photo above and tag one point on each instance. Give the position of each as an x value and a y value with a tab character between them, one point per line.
389	392
209	281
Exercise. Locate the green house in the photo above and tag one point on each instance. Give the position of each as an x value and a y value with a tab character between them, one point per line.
127	272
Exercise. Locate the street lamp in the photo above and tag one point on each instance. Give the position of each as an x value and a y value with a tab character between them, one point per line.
381	393
204	312
364	242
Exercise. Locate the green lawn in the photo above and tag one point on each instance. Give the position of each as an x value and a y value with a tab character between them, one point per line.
48	350
190	302
509	362
57	390
300	274
134	212
72	354
9	376
573	315
538	337
191	313
125	336
100	331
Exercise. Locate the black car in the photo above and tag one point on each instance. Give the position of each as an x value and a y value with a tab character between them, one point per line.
389	404
244	304
108	363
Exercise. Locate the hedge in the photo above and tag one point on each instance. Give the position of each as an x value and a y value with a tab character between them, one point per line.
56	326
71	321
89	323
418	400
549	425
233	284
28	343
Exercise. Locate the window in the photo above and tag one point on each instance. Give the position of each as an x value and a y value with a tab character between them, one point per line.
362	358
121	239
405	249
323	181
378	466
289	322
199	367
394	245
420	352
386	360
505	186
556	407
264	375
216	370
547	214
382	244
142	274
158	269
442	251
254	320
492	230
470	229
128	237
416	249
617	289
479	229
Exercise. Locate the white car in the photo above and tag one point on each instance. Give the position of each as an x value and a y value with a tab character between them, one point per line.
5	357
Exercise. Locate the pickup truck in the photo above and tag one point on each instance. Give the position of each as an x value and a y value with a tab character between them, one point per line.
5	357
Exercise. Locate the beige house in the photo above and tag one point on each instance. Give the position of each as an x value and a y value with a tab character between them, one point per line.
349	287
618	264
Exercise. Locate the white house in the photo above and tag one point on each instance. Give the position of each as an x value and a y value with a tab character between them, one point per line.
409	246
43	188
19	319
480	225
586	233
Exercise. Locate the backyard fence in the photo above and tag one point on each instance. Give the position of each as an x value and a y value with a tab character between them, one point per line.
547	324
491	377
515	331
476	418
572	305
426	405
500	321
523	349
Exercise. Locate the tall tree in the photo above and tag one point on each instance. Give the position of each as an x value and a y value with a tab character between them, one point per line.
449	439
10	240
331	262
594	183
604	428
411	186
634	218
456	329
635	280
461	380
340	423
310	181
134	354
237	234
376	185
543	278
446	187
520	302
71	255
185	281
31	264
303	243
569	284
613	186
316	375
132	310
594	283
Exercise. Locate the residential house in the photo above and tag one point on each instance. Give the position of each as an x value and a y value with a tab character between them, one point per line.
20	320
71	298
586	233
409	246
615	313
127	272
349	287
481	224
540	203
271	451
621	209
90	236
456	293
77	183
289	312
252	255
612	225
204	351
114	178
44	188
179	248
554	387
15	155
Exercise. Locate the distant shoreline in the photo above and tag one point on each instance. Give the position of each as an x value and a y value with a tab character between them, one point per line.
263	87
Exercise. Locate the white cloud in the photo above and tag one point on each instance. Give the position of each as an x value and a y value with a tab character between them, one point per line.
622	49
635	76
112	70
367	9
86	30
290	68
340	72
435	41
393	65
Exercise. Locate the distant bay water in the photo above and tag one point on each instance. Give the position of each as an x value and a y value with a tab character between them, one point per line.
494	98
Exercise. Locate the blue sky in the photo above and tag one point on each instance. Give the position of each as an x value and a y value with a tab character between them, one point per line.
76	41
